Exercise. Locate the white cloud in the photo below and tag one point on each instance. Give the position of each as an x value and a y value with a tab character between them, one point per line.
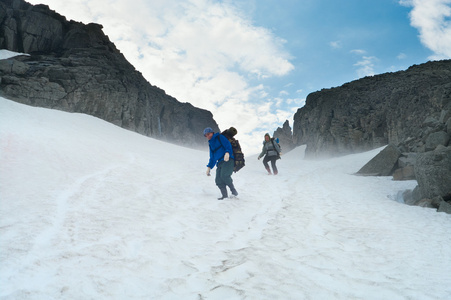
401	56
432	19
284	93
358	51
335	44
365	66
200	51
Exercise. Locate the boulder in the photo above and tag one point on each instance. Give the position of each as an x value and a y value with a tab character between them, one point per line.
444	207
433	172
407	197
406	173
383	164
435	139
407	159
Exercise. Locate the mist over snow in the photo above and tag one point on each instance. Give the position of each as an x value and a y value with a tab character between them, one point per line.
92	211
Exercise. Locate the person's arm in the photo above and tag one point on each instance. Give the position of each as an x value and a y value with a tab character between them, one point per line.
263	151
226	144
211	162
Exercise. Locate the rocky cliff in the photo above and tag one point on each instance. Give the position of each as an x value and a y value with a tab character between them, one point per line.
285	137
374	111
74	67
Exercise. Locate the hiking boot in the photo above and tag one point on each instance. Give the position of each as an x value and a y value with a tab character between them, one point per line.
223	190
233	190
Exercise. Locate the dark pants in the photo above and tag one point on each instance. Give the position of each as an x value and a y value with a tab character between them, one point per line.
224	173
273	163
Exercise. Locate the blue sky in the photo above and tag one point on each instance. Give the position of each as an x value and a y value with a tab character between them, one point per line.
252	63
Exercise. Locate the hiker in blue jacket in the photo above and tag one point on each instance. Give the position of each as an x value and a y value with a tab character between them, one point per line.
221	155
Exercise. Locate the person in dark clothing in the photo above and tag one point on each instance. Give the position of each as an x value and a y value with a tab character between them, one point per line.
272	151
221	155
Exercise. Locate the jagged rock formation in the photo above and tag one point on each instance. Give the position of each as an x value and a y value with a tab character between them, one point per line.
374	111
74	67
408	110
285	137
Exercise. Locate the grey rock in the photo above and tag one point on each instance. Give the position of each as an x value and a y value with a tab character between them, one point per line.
416	195
383	164
405	173
75	68
445	115
436	201
444	207
407	197
425	202
407	159
375	111
435	139
285	137
433	172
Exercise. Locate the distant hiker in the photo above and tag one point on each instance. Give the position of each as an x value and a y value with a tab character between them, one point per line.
272	150
221	155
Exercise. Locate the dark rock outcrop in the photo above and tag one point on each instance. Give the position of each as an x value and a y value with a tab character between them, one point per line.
408	110
74	67
383	164
375	111
433	172
431	167
285	137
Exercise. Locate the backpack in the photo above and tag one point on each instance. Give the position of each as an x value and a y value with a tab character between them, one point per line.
277	141
236	148
280	148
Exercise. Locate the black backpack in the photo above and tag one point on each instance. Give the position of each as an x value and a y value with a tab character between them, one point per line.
236	148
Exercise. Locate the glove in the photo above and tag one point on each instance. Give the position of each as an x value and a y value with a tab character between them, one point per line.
258	158
208	171
226	156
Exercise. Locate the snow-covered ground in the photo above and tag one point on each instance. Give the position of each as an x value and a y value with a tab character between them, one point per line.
5	54
91	211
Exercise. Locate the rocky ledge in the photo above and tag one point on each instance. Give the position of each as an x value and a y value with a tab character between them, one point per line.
410	111
75	68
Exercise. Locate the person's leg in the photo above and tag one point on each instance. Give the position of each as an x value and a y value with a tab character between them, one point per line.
227	171
265	163
226	175
273	165
219	180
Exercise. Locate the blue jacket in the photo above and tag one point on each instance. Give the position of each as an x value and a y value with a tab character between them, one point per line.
219	145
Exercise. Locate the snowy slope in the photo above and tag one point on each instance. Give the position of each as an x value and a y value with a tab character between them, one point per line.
92	211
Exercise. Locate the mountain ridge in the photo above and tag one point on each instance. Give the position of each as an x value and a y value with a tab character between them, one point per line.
374	111
75	68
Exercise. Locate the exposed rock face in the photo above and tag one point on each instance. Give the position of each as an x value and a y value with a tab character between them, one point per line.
285	137
383	164
433	172
409	110
375	111
74	67
431	166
